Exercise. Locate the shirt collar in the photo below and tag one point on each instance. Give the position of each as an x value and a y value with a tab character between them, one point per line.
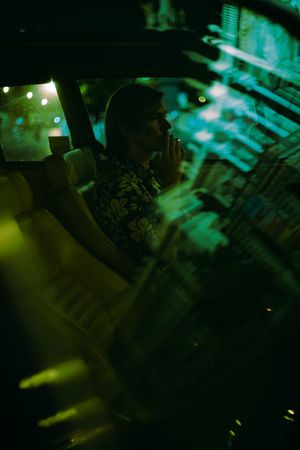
138	168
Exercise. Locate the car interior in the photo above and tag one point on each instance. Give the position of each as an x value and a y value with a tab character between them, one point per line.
99	352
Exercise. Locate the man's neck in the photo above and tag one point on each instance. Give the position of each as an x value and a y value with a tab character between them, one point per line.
139	156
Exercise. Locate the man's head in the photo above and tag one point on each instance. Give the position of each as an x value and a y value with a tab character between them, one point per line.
135	121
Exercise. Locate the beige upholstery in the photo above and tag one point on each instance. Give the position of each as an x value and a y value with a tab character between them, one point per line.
78	168
85	290
71	176
39	340
79	289
14	200
53	279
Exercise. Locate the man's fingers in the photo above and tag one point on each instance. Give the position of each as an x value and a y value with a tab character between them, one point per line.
172	150
178	148
180	152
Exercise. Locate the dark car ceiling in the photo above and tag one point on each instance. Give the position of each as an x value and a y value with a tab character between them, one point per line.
42	55
39	41
94	39
109	15
127	15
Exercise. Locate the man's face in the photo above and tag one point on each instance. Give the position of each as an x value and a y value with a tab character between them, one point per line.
151	132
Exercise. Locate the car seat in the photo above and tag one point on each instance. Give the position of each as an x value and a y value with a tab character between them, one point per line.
71	176
59	323
83	288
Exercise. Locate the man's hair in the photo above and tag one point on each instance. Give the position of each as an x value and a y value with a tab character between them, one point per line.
123	111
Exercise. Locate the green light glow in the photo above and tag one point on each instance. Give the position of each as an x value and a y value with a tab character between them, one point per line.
83	436
45	377
57	374
143	79
93	406
289	419
201	229
61	416
178	201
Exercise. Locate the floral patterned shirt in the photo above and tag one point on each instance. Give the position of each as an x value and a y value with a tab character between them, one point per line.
122	204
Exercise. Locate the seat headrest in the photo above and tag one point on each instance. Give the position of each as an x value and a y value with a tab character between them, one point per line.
74	167
59	144
15	194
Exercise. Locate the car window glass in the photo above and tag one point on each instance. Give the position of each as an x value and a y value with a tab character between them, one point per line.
28	116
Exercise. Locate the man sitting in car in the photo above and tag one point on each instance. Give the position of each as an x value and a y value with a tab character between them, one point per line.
126	185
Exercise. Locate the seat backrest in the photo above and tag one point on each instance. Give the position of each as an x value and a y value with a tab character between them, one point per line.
71	176
84	289
58	327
